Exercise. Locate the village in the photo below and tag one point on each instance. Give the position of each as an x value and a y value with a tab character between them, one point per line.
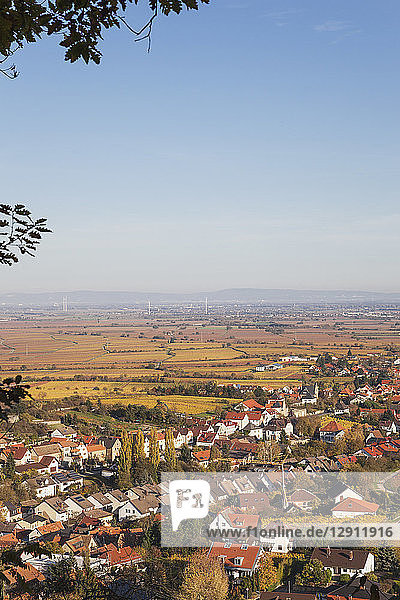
95	498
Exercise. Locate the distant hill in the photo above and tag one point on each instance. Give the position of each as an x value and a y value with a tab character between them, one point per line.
234	295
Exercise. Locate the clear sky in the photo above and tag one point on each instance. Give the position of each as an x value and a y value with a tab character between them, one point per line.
257	145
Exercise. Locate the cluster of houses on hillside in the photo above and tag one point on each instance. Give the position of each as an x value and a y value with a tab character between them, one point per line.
89	524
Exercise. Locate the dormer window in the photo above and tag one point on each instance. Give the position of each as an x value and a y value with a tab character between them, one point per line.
238	561
244	546
227	545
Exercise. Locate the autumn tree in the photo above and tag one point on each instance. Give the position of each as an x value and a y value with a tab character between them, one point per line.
204	579
139	462
267	572
9	467
169	454
314	574
268	451
154	452
125	461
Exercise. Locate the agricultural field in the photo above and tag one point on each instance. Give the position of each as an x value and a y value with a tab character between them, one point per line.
121	360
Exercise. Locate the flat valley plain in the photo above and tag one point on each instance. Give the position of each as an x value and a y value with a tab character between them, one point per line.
128	354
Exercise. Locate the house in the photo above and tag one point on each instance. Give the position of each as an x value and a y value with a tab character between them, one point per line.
67	479
79	453
375	437
317	464
25	574
230	520
344	561
54	509
249	404
202	457
45	529
241	419
343	461
256	418
256	502
119	557
359	588
353	507
38	452
101	501
254	431
276	428
239	559
100	516
43	486
117	499
97	452
9	512
113	447
28	507
340	491
303	499
63	431
50	463
21	454
32	521
66	446
80	545
9	540
78	504
179	438
309	393
137	508
206	439
331	432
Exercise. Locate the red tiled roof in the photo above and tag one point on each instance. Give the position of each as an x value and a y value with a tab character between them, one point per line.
95	448
332	426
235	551
355	505
123	556
202	455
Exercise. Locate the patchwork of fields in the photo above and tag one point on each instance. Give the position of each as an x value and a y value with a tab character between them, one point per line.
122	361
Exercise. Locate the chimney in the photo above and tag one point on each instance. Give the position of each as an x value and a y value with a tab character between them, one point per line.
328	551
351	555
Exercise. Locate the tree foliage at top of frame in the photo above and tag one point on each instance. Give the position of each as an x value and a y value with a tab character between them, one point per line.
80	23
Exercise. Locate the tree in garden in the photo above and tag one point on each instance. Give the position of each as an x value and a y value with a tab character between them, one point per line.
169	454
267	572
314	574
203	579
20	234
125	461
12	393
139	462
154	452
9	467
185	454
78	26
268	451
65	581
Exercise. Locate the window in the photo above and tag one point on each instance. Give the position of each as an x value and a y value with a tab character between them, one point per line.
227	545
244	546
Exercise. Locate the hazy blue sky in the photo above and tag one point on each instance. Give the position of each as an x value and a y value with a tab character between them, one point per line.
257	145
